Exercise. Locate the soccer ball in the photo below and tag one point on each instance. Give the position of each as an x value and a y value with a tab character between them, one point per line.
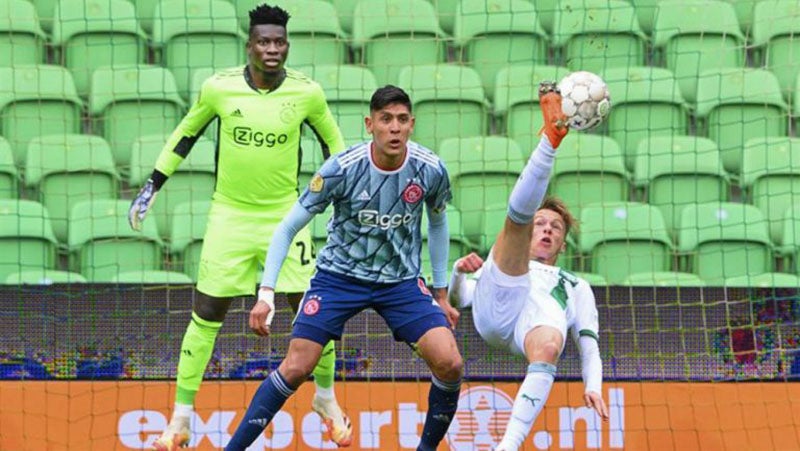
584	99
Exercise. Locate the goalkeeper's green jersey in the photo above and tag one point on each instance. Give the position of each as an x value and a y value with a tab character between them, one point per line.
258	144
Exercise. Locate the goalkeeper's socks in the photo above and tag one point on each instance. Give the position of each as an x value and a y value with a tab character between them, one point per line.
528	404
196	349
267	401
325	371
442	406
532	184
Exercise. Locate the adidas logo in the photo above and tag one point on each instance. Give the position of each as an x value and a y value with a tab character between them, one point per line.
363	196
236	113
259	421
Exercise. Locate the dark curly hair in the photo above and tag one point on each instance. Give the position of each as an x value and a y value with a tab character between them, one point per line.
268	15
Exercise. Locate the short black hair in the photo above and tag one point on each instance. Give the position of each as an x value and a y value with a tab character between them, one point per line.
268	15
387	95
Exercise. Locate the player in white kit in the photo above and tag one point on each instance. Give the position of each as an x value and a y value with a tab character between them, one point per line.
523	302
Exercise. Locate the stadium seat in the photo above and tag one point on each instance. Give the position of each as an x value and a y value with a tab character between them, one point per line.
764	280
102	243
675	171
193	180
152	277
621	238
516	101
663	279
789	247
128	102
459	245
392	34
691	36
21	37
344	11
145	10
26	237
34	101
745	11
721	240
43	277
45	10
589	169
483	171
312	159
645	12
776	26
62	170
189	222
481	225
734	105
448	100
594	280
319	229
348	90
596	35
189	34
646	102
446	12
495	33
314	31
771	178
95	33
9	177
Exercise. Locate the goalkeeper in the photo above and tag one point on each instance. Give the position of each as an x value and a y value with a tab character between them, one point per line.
520	300
261	108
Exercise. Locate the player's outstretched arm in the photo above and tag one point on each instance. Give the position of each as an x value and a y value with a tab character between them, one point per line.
261	314
592	371
462	289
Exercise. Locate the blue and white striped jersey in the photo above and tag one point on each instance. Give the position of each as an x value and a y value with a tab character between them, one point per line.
374	234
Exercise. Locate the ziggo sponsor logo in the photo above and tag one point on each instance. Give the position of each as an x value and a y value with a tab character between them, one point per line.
481	410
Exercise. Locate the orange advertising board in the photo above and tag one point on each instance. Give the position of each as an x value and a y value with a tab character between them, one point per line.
128	415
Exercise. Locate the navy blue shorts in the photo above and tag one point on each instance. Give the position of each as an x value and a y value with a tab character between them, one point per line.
407	307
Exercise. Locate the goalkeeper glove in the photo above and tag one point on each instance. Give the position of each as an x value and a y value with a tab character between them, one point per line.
141	205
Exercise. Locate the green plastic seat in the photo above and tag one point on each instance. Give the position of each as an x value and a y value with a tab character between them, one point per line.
145	10
516	101
35	101
43	277
796	104
103	245
26	237
771	178
312	161
764	280
348	90
589	169
446	12
95	33
193	180
480	226
152	277
9	176
483	171
21	36
459	244
127	102
319	230
722	240
594	280
189	222
789	248
663	279
645	12
314	31
344	11
495	33
621	238
675	171
646	102
392	34
776	26
189	34
596	35
735	105
45	9
745	12
449	102
692	36
62	170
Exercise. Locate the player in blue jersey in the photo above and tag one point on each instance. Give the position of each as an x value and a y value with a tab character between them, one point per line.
371	260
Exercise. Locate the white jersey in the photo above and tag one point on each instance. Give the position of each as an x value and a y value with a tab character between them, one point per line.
506	308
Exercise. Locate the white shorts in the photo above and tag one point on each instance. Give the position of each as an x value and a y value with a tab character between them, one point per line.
504	309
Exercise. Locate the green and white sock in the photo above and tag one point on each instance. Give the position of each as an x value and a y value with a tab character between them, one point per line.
196	348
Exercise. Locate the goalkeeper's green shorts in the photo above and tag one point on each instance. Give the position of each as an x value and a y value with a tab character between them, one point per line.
234	248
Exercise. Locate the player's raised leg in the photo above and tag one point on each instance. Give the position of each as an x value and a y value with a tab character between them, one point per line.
510	251
439	350
300	360
196	348
543	346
